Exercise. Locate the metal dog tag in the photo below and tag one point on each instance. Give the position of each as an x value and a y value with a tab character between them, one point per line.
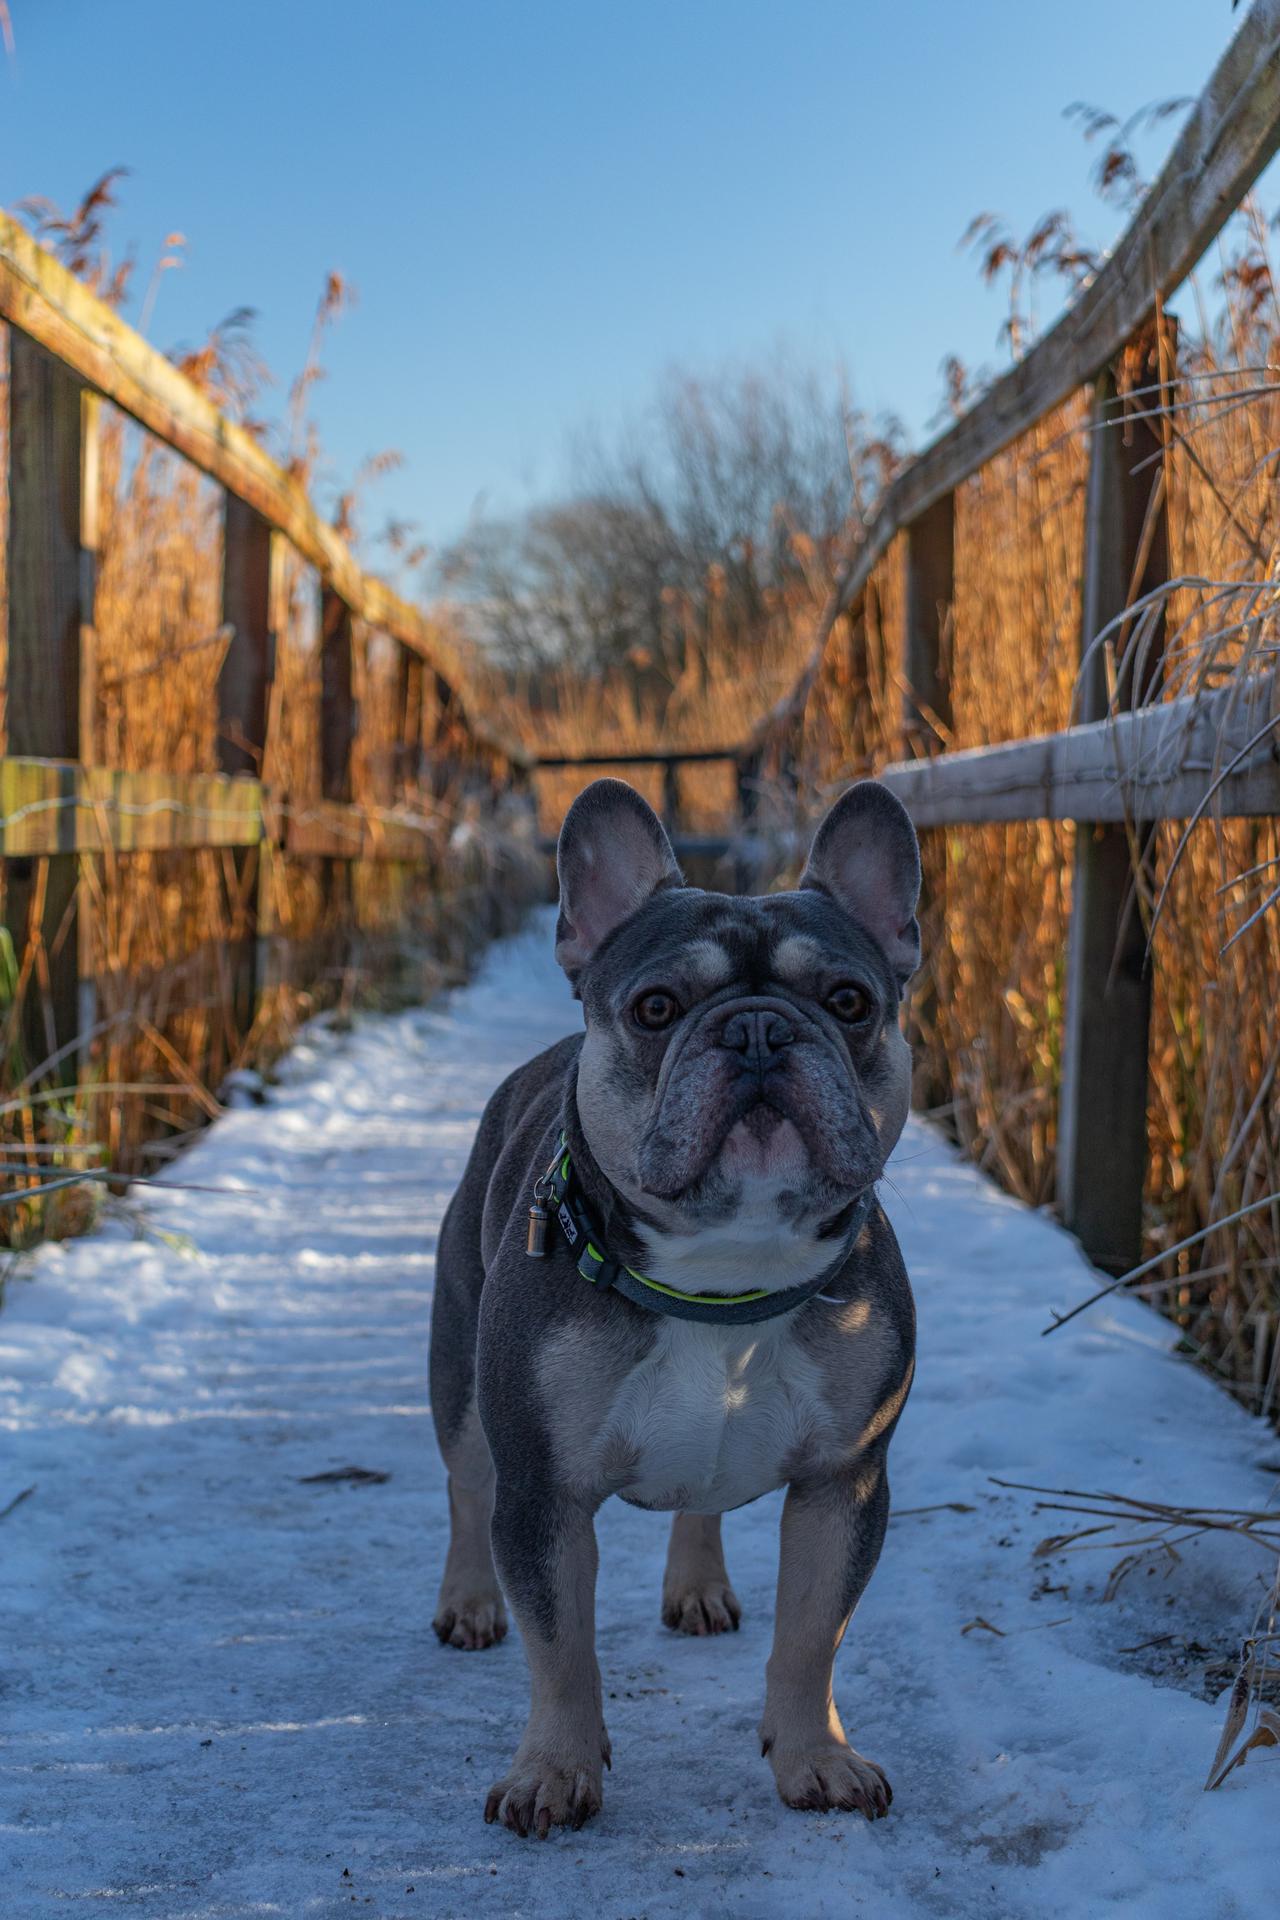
536	1243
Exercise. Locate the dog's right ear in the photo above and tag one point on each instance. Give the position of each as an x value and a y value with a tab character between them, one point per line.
612	856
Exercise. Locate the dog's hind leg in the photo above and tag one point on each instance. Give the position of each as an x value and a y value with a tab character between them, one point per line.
469	1613
696	1595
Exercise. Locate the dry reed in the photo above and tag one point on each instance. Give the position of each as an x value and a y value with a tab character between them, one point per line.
991	1003
161	930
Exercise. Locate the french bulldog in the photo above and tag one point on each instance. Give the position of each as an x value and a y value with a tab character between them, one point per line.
665	1276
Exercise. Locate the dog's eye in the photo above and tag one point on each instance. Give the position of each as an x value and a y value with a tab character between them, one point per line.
655	1010
850	1004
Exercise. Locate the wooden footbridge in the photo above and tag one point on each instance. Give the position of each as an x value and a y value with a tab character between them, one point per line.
1134	757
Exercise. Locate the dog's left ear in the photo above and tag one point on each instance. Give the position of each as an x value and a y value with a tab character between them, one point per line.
612	856
866	857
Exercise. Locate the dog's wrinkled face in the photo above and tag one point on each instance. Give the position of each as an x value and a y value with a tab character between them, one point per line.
739	1052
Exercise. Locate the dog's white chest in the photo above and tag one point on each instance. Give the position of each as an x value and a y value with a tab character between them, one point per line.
715	1416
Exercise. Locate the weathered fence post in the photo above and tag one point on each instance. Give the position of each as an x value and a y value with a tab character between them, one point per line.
671	796
440	764
337	697
926	717
410	689
338	722
931	568
51	554
249	606
747	778
1102	1115
747	769
856	678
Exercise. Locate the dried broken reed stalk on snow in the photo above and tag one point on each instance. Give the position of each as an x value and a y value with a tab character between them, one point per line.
1251	1721
1147	1530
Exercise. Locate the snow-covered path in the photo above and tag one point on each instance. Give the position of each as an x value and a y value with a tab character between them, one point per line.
219	1691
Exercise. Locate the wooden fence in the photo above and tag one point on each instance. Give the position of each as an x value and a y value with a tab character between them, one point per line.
1133	759
67	352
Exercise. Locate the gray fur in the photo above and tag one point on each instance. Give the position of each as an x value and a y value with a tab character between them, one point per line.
724	1150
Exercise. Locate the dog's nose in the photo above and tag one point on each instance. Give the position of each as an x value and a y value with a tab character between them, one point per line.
759	1036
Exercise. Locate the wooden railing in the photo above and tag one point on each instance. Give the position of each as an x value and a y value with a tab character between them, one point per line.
670	760
1130	761
68	351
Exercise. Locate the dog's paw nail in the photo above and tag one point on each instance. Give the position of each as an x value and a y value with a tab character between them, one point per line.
826	1779
703	1611
472	1625
542	1795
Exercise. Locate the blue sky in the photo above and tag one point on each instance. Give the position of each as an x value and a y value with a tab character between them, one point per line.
543	205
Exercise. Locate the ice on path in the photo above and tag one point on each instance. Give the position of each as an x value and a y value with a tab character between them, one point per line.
219	1691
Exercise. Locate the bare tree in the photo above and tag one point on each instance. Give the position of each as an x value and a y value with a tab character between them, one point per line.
734	487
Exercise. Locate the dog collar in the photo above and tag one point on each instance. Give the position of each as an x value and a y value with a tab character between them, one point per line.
557	1202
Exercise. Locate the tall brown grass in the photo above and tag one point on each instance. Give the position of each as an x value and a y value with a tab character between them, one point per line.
163	923
992	1013
993	1017
687	692
161	929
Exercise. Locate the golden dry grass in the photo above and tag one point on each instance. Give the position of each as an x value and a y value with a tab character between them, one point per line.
993	999
163	924
162	929
994	1016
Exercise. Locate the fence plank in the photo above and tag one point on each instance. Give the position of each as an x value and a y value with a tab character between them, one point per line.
58	806
50	607
338	717
249	606
926	720
338	723
409	750
671	796
1156	764
248	665
658	758
1102	1103
747	771
930	593
347	834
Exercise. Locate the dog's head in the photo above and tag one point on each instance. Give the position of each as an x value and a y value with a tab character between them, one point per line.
740	1052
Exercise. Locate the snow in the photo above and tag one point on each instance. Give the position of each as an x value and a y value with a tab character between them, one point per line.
219	1690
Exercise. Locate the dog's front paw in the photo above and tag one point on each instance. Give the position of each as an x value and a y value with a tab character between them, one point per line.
709	1606
541	1793
829	1776
471	1622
